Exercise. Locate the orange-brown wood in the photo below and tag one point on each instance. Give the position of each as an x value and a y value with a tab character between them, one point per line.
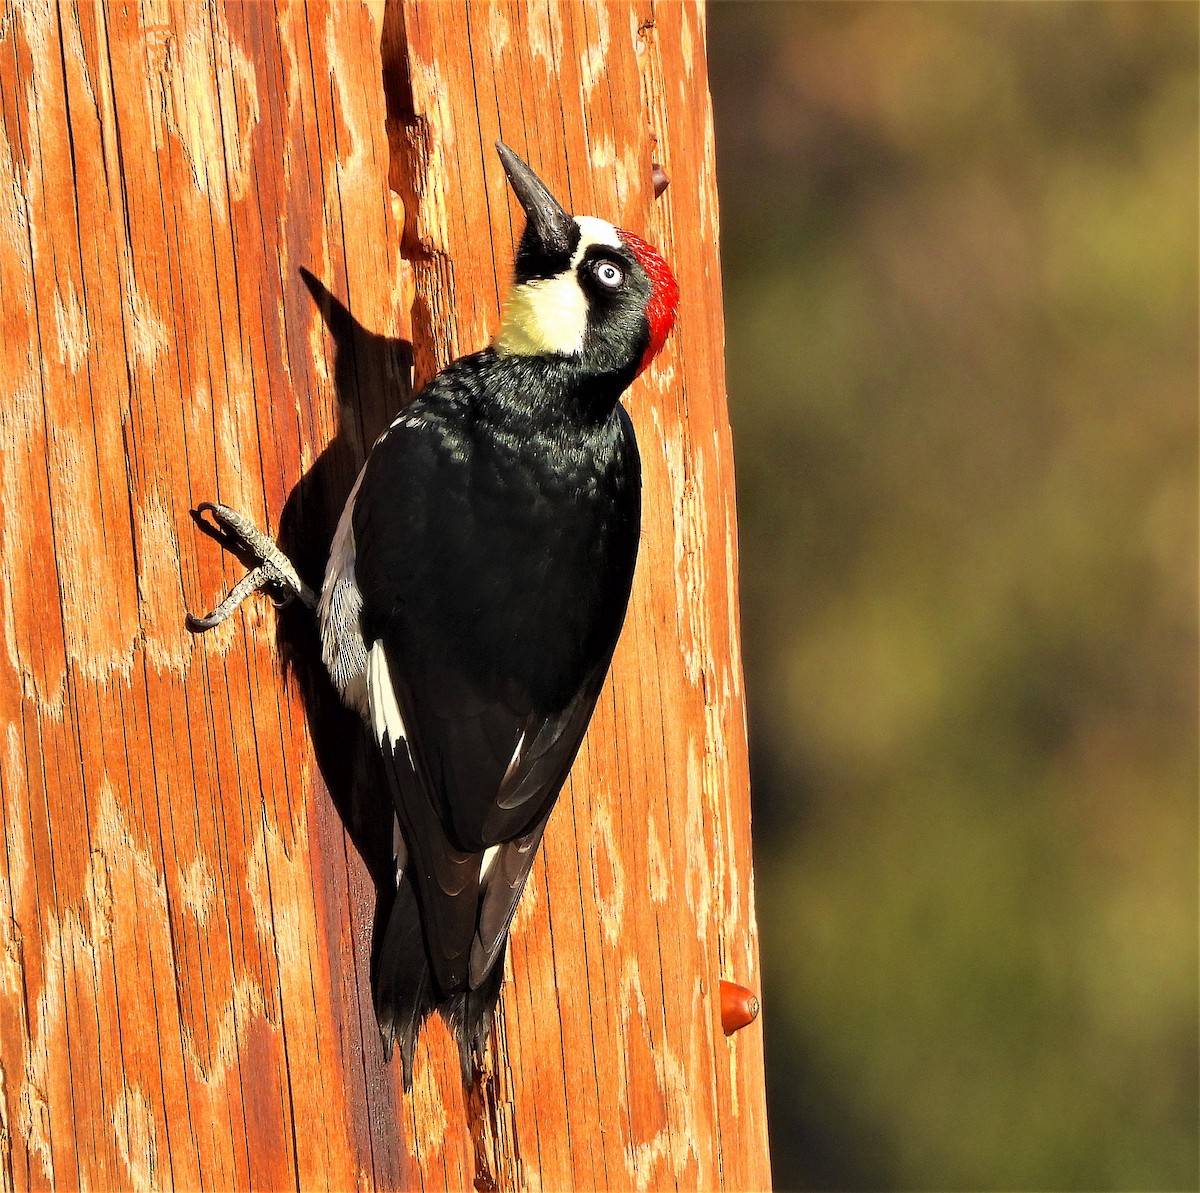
185	918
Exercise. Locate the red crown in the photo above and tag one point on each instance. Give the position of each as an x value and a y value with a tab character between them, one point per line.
664	294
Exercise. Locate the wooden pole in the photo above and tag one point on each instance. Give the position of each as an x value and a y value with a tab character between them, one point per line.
184	918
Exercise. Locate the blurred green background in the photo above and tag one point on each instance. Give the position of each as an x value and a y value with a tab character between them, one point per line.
960	248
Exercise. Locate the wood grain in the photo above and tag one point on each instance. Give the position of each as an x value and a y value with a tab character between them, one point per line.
185	908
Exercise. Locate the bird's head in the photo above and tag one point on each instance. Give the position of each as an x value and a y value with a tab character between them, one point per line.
582	288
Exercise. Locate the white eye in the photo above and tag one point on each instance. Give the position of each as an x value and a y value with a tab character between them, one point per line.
608	274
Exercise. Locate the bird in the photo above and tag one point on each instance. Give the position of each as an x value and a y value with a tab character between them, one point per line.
476	586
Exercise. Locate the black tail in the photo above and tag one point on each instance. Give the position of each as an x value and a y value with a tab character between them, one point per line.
401	982
405	991
470	1014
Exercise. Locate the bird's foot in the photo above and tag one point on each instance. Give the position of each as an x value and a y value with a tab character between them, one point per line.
270	569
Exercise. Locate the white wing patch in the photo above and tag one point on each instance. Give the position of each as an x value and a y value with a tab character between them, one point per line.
489	859
549	315
385	710
515	761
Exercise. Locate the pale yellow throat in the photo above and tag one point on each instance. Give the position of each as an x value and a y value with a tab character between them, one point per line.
543	316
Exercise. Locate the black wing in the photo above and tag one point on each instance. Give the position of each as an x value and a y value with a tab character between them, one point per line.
506	771
490	610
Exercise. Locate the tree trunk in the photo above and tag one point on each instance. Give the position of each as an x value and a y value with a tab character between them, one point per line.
186	894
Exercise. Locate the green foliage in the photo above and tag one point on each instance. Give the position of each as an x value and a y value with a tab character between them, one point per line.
961	292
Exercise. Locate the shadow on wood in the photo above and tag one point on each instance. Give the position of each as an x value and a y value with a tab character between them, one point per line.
348	761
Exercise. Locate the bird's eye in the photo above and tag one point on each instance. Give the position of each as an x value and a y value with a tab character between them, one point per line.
610	275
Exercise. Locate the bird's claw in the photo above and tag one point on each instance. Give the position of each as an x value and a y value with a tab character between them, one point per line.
273	572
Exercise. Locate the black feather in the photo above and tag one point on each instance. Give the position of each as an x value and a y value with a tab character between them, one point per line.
403	990
496	529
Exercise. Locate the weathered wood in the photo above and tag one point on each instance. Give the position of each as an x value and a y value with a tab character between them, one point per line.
185	920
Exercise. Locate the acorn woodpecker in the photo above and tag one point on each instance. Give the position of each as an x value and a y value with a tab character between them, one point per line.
475	589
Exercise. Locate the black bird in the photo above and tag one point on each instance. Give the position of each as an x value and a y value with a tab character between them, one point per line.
475	590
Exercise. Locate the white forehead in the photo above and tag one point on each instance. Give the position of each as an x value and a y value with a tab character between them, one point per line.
594	231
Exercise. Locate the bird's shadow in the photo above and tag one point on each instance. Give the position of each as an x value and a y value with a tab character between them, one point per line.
371	380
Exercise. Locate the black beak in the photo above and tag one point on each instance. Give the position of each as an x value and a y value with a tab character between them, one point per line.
550	233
